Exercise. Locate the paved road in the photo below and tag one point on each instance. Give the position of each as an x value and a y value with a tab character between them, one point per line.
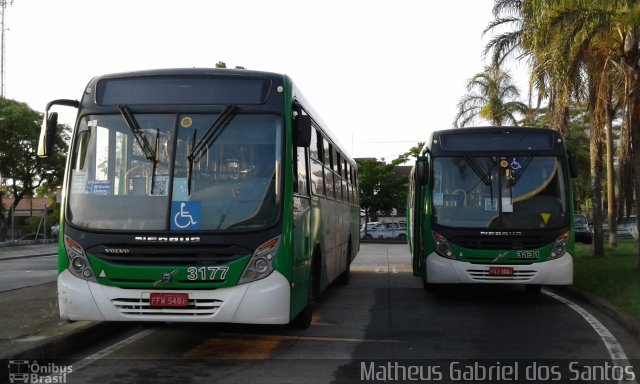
383	316
25	272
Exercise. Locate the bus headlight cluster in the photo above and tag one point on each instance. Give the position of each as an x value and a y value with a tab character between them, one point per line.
559	247
78	263
442	245
261	263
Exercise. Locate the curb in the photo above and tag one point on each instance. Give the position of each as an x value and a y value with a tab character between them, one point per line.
27	256
382	241
627	322
54	347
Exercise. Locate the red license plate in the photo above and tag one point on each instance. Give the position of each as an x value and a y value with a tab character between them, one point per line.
169	300
501	271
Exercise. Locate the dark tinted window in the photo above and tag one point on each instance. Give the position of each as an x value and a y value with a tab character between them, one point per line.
182	90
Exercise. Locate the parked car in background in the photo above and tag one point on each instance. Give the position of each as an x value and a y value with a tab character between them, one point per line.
389	231
370	227
627	228
583	231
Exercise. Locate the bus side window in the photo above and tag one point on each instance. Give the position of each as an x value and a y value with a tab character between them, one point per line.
316	156
301	183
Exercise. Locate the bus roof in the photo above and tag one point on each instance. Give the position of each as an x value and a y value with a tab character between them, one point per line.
228	73
189	71
490	140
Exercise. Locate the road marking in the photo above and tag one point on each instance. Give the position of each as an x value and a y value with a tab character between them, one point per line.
312	338
616	352
249	346
110	349
386	268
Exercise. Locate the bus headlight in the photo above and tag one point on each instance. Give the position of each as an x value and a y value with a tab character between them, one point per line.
559	247
79	265
442	245
261	263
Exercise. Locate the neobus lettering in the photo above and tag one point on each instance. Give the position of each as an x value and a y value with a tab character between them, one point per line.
165	239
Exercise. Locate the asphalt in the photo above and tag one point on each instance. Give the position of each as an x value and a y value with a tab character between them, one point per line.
30	327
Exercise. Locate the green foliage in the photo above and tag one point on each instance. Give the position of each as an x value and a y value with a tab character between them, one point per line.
380	190
413	152
586	51
613	278
492	97
22	171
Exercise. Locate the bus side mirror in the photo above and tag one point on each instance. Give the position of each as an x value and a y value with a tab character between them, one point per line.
422	171
47	134
302	127
573	165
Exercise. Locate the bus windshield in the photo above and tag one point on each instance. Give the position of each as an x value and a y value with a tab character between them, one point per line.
499	192
147	177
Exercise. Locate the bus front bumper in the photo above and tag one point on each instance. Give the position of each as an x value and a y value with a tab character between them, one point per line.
552	272
264	301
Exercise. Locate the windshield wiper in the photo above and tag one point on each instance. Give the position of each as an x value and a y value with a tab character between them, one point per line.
149	153
483	176
209	137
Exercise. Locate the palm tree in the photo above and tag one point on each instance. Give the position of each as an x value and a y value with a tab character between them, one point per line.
580	49
604	36
493	97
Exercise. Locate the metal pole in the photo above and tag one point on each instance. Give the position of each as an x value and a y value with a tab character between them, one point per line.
3	7
13	215
3	4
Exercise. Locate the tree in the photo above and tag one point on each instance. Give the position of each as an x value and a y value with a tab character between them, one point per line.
379	190
588	50
22	171
492	96
413	152
222	64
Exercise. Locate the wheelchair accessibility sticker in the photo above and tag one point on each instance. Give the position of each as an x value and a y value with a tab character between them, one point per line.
185	215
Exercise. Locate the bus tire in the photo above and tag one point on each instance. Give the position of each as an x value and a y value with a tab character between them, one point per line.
428	287
303	319
343	278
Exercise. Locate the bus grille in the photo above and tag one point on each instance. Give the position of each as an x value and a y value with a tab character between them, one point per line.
484	243
141	307
518	275
171	255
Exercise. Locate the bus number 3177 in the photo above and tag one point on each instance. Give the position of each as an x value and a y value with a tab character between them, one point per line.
207	273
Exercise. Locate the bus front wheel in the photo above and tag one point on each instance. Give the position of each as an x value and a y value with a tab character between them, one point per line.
343	278
303	319
428	287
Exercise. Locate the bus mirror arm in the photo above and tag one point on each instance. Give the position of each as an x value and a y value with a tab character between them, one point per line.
422	171
302	125
49	126
573	164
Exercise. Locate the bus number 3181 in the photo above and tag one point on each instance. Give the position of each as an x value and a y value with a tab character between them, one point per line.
207	273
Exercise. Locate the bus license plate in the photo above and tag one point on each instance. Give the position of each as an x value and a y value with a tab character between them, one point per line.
501	271
169	300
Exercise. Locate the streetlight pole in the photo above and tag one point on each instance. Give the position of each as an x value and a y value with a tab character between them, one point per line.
3	7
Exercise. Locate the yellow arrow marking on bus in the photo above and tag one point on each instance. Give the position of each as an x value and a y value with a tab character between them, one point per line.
545	217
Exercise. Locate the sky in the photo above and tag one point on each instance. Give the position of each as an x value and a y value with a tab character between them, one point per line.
381	74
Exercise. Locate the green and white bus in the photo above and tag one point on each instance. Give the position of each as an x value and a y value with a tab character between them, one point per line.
492	205
201	195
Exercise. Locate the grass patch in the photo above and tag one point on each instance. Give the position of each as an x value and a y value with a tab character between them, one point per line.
613	277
